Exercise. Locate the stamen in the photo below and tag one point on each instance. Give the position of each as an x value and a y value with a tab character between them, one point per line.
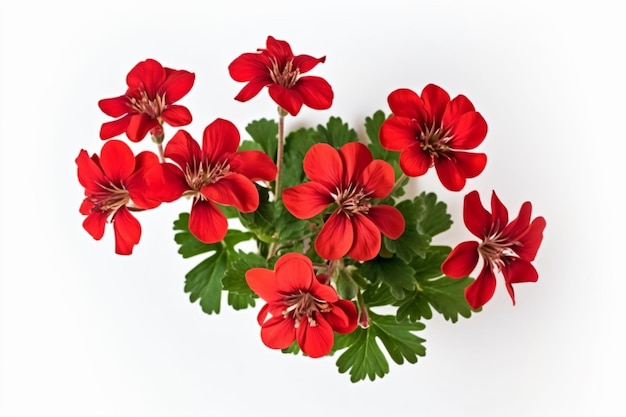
151	107
287	76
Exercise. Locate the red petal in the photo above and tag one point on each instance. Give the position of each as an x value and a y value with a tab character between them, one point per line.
117	161
206	222
469	164
177	85
356	157
461	261
306	200
335	238
139	126
183	149
457	107
109	130
127	231
499	213
251	89
399	133
414	161
278	332
233	190
388	219
323	291
86	206
530	242
294	273
114	107
316	93
436	100
280	49
175	115
286	98
518	271
367	239
94	224
249	66
323	164
263	282
147	75
469	131
220	139
378	178
449	174
481	290
315	341
406	103
476	218
306	63
90	174
343	316
255	165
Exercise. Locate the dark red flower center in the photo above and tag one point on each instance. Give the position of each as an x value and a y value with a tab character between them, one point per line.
434	140
353	200
111	198
203	173
287	76
497	250
302	305
142	103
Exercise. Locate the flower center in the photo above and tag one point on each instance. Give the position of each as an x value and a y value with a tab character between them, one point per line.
285	76
497	250
303	305
434	140
111	198
144	104
353	200
200	174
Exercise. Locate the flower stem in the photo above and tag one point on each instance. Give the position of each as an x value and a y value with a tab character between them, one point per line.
279	152
161	153
398	183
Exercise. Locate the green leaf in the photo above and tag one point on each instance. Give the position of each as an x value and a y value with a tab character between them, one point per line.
204	282
434	290
265	133
240	301
394	272
234	280
433	217
364	357
372	128
425	217
261	221
347	288
297	144
336	133
248	145
293	349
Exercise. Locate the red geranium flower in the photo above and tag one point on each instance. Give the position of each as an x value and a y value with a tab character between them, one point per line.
277	68
507	247
114	183
434	130
301	307
350	179
148	101
217	173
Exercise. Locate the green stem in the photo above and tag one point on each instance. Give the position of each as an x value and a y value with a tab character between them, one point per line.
398	183
279	152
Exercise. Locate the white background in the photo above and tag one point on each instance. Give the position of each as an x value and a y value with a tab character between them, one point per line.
84	332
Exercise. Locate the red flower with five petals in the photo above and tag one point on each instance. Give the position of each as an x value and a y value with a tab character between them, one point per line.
115	183
350	179
301	307
280	70
148	102
434	130
217	173
507	247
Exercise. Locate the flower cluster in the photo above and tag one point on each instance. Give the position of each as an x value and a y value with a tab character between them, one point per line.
336	236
